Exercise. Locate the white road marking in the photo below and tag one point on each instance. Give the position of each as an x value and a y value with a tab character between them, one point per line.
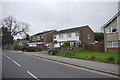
8	57
32	75
16	63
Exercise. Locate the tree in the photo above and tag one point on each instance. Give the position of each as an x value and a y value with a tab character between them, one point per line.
14	27
27	37
99	36
11	28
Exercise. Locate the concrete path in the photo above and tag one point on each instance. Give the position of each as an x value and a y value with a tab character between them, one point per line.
104	67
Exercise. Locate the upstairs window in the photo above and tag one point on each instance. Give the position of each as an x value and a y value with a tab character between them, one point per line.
60	36
111	29
69	35
108	29
114	29
88	36
77	34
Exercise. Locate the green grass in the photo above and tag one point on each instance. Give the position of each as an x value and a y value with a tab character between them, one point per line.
94	56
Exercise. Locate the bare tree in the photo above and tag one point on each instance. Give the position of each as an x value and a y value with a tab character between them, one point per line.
14	27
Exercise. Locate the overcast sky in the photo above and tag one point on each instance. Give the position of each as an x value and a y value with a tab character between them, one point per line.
44	16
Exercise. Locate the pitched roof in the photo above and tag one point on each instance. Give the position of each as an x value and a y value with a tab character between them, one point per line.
71	29
114	17
42	33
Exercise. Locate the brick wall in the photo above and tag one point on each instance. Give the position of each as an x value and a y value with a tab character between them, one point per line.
94	47
112	50
49	37
84	37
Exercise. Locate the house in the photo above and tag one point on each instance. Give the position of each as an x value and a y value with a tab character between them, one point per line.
112	34
76	36
42	40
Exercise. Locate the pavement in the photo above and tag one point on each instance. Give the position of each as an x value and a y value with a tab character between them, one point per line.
93	65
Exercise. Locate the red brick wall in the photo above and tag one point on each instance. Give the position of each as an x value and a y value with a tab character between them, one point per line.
84	34
49	37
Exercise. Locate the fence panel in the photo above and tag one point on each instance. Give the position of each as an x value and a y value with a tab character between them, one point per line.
95	47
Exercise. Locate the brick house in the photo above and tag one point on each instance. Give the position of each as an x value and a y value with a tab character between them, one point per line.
42	40
76	36
112	34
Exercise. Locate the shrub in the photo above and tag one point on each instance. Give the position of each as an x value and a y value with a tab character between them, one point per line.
52	51
92	58
110	59
49	50
16	46
66	44
34	49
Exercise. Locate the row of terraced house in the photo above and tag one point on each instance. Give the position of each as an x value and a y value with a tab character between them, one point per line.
80	35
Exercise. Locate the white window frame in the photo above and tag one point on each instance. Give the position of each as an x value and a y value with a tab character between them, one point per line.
77	34
60	35
69	35
88	36
112	44
111	28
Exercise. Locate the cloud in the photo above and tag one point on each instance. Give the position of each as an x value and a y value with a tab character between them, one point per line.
62	15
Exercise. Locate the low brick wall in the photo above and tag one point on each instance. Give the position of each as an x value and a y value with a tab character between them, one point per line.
113	50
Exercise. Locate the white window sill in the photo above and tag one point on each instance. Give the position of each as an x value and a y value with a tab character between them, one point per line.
111	32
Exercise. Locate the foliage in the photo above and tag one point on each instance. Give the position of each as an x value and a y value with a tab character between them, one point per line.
49	50
66	44
16	46
6	37
87	55
33	49
110	59
52	51
92	58
27	37
99	36
13	26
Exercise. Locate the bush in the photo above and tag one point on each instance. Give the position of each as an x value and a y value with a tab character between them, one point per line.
49	50
66	44
52	51
16	46
92	58
34	49
110	59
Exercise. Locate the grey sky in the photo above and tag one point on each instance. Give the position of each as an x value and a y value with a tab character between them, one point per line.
46	16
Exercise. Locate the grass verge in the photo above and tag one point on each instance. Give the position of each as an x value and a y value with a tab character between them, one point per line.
94	56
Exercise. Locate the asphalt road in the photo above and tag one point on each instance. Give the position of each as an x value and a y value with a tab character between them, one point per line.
16	65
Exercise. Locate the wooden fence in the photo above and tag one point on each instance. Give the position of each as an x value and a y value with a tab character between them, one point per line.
95	47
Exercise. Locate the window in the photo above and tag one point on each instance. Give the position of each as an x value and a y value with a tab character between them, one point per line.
60	36
54	37
69	35
88	36
112	44
114	29
108	29
109	44
115	44
77	34
111	29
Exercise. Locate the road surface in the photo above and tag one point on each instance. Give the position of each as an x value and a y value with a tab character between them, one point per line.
15	65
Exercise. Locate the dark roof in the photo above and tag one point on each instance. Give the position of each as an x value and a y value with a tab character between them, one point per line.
72	29
42	33
114	17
